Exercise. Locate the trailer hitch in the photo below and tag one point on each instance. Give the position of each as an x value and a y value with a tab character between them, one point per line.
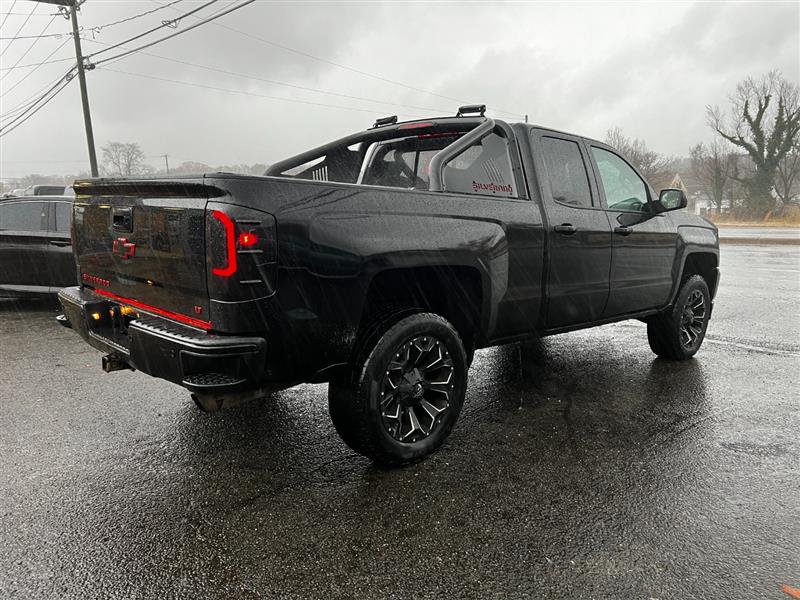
113	362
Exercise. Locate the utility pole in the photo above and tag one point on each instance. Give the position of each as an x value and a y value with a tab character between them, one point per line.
87	118
166	161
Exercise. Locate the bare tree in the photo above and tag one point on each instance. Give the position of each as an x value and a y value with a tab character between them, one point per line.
713	166
765	123
124	159
649	163
787	177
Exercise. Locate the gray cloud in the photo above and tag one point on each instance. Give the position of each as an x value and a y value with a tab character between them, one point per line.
581	67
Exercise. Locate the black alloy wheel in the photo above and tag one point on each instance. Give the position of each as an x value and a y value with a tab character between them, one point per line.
416	389
693	319
678	333
405	392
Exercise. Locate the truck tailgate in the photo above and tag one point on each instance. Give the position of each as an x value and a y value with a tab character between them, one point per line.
144	241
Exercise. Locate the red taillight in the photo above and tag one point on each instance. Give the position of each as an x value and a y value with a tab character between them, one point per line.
230	245
248	239
416	125
240	252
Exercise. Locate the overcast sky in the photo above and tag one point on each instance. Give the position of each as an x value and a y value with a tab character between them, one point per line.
649	68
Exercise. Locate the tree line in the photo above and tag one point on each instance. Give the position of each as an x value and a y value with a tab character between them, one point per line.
751	167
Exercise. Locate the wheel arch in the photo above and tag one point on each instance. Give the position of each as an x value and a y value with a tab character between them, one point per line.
703	263
456	292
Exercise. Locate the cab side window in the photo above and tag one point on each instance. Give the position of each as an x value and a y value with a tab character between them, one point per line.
483	168
566	171
23	216
623	187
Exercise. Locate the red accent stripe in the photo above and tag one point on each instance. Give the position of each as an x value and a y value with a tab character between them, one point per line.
158	311
230	243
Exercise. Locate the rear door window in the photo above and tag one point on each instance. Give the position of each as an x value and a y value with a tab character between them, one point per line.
23	216
63	213
566	171
483	168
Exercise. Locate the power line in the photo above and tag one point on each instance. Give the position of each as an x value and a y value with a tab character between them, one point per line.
33	43
30	99
33	109
17	14
39	162
158	41
44	62
283	83
96	28
9	13
131	18
8	128
36	37
8	45
28	66
35	106
162	26
242	92
345	67
37	97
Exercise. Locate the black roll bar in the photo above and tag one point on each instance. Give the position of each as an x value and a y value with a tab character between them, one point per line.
445	154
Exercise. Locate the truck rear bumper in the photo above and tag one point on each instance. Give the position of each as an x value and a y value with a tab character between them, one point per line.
202	362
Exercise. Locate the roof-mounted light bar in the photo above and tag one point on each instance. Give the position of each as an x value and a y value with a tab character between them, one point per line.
385	121
471	109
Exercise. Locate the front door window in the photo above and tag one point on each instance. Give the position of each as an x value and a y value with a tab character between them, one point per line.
624	189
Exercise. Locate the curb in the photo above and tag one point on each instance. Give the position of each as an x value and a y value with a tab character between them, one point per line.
760	241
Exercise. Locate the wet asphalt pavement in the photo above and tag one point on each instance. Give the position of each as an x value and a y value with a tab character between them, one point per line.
592	470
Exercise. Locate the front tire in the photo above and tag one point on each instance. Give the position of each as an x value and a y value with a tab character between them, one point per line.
679	333
405	391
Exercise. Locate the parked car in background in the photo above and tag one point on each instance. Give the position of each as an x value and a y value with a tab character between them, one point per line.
44	190
35	246
41	190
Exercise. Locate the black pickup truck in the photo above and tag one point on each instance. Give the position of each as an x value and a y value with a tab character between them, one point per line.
379	263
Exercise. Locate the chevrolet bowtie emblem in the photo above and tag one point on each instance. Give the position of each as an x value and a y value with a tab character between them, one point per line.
123	248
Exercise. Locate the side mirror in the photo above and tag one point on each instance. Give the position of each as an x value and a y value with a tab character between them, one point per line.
670	199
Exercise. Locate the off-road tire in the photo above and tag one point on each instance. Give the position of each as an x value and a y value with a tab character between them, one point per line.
675	335
355	405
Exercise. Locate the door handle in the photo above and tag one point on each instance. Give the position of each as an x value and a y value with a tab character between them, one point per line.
623	230
122	218
61	244
565	229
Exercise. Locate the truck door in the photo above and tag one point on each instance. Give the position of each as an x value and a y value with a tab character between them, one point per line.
579	233
23	244
645	243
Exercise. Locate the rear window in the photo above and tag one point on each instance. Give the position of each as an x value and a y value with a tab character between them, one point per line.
22	216
404	162
484	168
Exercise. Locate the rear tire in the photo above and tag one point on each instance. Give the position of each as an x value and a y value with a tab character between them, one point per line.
405	392
679	333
